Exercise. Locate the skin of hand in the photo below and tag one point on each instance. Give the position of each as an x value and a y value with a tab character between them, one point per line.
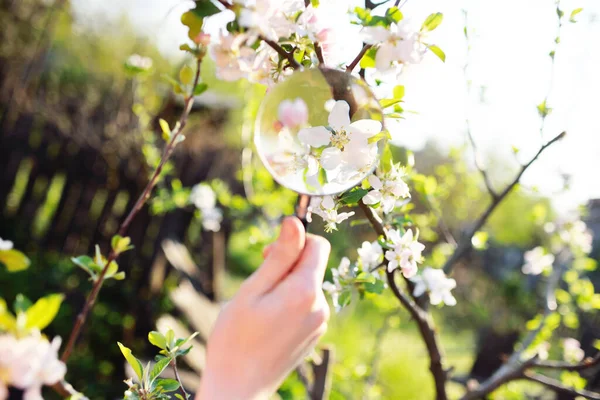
272	323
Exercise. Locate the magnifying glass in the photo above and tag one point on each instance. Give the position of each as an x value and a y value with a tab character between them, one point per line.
319	133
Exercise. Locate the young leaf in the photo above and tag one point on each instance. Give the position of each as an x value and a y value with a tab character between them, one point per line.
574	14
157	339
186	75
394	14
432	21
181	342
167	385
43	311
398	92
353	196
365	277
22	303
158	368
368	60
134	362
14	260
170	339
438	52
200	88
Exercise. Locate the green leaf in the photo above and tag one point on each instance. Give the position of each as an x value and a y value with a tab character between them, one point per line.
574	14
22	303
157	339
398	91
132	361
386	159
345	298
353	196
186	75
119	276
194	18
158	368
432	21
314	3
200	88
543	109
119	243
41	314
438	52
14	260
180	397
383	135
181	342
394	14
368	60
166	130
385	103
376	287
584	264
365	277
167	385
170	338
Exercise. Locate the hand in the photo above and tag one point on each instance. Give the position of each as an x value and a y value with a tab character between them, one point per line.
272	323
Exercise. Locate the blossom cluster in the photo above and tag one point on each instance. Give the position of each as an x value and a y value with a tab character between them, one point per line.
205	200
28	363
326	208
387	188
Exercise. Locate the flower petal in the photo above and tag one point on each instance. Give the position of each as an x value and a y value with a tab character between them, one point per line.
374	34
339	117
375	182
316	136
331	158
373	197
368	127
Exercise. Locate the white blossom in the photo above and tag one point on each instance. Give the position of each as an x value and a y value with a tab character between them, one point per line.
205	199
405	254
140	62
537	261
370	255
233	58
326	208
436	284
398	44
29	363
572	351
387	188
347	142
578	237
5	244
269	18
335	288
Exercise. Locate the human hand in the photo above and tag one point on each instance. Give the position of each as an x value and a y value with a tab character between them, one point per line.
272	323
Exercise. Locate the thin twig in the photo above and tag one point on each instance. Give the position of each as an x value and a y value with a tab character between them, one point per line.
168	151
476	154
465	244
287	55
565	366
357	59
558	386
181	388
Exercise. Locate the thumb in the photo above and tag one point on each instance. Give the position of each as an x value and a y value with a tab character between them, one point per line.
282	256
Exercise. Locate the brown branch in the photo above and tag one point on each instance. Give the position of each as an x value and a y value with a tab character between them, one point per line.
465	245
421	317
322	379
181	388
558	386
319	53
287	55
168	151
359	57
565	366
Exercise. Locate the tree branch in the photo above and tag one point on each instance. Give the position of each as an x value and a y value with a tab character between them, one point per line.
288	56
181	388
168	151
565	366
319	53
465	244
558	386
357	59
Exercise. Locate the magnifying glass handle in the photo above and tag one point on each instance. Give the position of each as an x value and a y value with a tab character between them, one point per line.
302	209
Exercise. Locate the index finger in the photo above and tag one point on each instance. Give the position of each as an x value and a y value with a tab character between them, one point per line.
312	262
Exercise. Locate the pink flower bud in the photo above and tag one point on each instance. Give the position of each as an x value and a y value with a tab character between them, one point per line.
293	113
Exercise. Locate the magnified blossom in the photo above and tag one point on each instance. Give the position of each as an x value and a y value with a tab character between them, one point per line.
405	254
293	113
326	208
436	284
370	255
5	244
398	44
572	351
387	188
28	364
348	142
537	261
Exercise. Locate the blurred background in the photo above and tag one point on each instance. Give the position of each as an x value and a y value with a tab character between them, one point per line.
78	139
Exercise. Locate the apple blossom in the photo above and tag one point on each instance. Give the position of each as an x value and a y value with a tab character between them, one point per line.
293	113
572	351
205	199
387	188
398	44
370	255
5	244
335	288
348	142
232	56
293	157
436	284
326	208
537	261
406	252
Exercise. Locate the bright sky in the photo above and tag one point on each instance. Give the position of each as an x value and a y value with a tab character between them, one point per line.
510	42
